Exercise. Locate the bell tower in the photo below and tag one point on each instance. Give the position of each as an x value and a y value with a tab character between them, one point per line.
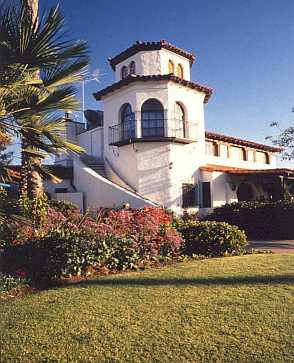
154	135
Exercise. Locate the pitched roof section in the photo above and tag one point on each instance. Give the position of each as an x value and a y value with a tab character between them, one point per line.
234	170
166	77
143	46
237	141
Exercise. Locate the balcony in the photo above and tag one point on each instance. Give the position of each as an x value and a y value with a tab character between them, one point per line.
154	130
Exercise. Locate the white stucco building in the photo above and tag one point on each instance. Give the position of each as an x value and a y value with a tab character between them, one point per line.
152	147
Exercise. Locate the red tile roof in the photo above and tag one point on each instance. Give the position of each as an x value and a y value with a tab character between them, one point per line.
158	77
234	170
237	141
142	46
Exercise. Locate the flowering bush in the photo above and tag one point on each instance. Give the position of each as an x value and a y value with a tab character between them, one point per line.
70	243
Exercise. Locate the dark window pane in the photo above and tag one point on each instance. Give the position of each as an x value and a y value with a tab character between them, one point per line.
189	192
206	195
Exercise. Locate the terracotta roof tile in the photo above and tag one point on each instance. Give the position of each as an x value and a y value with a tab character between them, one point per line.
157	77
237	141
143	46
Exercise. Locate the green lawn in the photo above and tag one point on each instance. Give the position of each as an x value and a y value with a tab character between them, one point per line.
235	309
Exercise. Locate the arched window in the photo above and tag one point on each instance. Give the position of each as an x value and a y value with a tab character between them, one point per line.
152	116
132	68
180	71
127	122
171	67
180	121
124	72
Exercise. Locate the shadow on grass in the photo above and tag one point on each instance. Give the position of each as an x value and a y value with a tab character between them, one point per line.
213	281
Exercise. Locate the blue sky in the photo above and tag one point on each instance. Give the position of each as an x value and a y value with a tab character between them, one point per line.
244	50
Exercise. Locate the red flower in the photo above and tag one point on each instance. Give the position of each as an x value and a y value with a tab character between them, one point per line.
21	274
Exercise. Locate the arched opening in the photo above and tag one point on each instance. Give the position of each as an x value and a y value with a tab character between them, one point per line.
132	68
128	129
180	121
152	117
124	72
180	71
171	67
245	192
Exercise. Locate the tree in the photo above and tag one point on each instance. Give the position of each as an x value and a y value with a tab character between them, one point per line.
38	68
33	6
284	139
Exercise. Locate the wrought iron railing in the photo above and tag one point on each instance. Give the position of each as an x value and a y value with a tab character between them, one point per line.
149	128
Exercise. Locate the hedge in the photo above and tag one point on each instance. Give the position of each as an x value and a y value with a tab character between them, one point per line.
259	219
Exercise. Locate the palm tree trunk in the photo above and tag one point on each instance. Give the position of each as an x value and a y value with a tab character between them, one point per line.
31	179
32	184
33	5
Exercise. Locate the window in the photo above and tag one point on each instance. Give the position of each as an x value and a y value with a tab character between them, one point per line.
189	195
132	68
237	153
180	71
211	148
152	116
245	192
171	67
206	195
60	190
179	126
261	157
124	72
127	122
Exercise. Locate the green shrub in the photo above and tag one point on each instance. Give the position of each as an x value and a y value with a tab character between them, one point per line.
64	207
60	252
212	238
118	253
259	219
8	282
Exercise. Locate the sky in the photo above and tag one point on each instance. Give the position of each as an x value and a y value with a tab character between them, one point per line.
244	50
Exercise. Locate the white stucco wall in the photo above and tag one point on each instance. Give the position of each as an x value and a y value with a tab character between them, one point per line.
154	62
92	141
72	129
50	187
100	192
73	198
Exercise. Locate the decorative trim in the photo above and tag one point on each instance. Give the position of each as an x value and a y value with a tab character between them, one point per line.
158	77
234	170
237	141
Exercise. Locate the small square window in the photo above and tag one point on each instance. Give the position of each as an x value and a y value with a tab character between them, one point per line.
61	190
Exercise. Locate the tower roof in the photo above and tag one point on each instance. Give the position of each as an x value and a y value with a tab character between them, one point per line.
143	46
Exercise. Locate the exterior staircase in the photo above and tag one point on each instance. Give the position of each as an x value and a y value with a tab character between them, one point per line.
95	164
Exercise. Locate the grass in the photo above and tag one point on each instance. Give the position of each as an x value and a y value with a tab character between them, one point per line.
234	309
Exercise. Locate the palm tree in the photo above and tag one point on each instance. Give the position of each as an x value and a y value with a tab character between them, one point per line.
33	6
28	47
